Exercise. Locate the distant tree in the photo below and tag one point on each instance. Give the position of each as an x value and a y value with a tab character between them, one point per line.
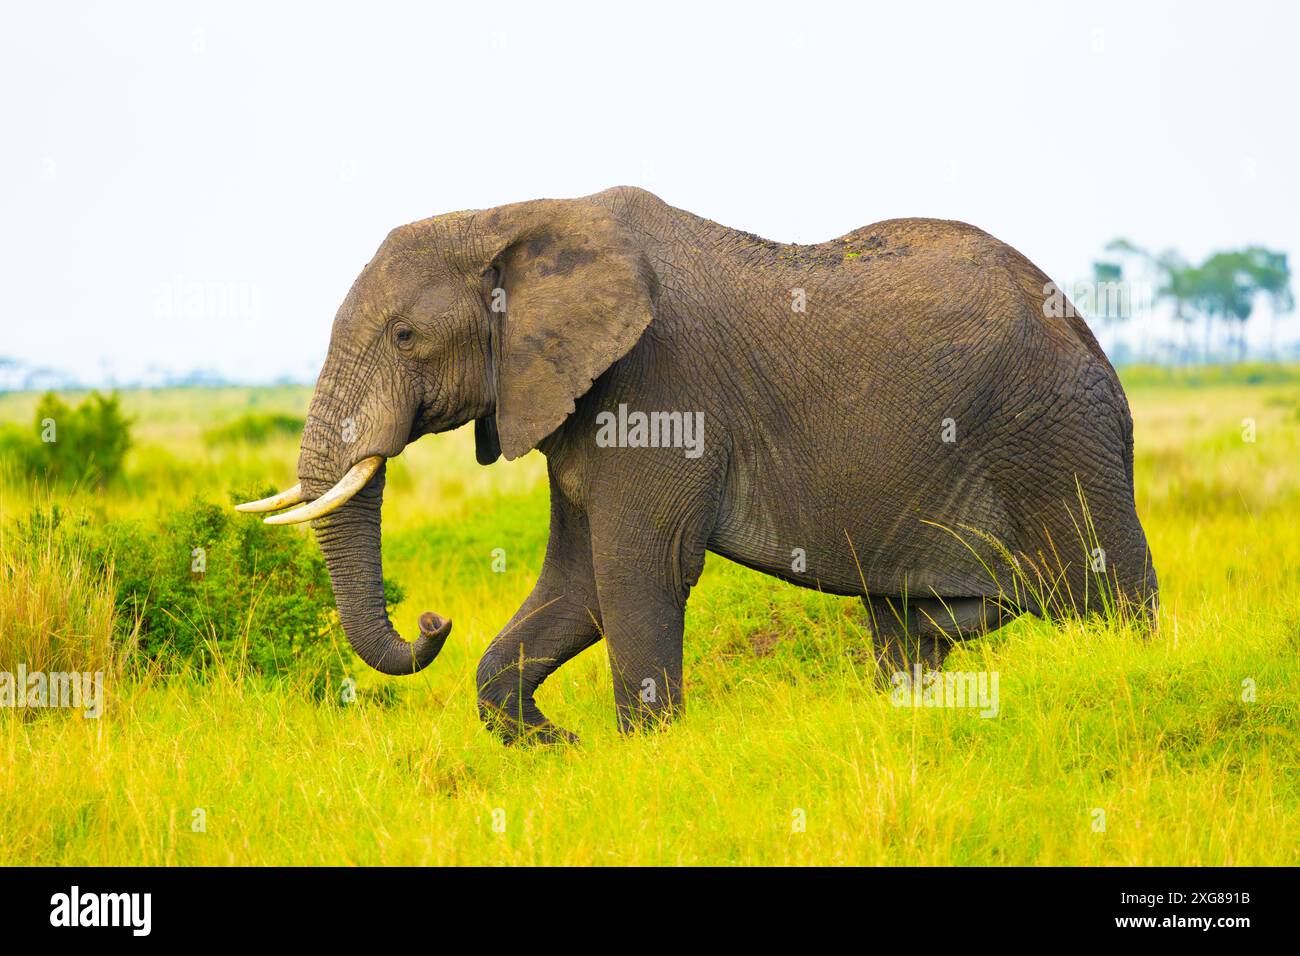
1107	271
1110	308
9	369
1108	299
1271	275
1178	287
1130	269
86	444
1224	290
1225	287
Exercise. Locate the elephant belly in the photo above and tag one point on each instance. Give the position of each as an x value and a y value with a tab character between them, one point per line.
847	527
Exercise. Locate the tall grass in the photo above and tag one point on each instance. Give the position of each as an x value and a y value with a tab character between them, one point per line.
57	607
1183	748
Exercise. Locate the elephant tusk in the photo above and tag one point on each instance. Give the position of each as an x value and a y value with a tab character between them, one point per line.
284	499
348	485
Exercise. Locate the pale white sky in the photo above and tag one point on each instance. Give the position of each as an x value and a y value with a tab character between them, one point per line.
196	185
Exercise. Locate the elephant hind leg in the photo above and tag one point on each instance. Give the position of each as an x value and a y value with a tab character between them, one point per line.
912	631
1091	558
1076	535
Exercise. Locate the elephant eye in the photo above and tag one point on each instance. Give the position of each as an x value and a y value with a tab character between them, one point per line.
404	336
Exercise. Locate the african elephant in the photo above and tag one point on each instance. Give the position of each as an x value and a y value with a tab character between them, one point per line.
910	413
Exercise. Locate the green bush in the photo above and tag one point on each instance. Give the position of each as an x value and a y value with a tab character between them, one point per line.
255	428
19	456
203	586
82	445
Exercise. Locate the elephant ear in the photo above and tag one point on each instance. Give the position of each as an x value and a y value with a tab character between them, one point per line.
578	294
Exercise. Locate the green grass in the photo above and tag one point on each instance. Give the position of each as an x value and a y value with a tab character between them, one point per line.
783	715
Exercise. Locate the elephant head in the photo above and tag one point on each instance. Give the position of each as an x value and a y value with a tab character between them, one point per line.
503	317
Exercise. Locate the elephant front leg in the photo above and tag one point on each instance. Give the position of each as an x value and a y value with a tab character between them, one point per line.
645	569
560	619
643	631
549	629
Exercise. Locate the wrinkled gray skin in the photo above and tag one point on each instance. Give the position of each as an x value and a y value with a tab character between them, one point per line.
824	431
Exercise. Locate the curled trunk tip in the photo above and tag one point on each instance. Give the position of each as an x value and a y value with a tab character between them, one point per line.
350	539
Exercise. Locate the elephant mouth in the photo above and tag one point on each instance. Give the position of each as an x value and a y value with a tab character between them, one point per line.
343	491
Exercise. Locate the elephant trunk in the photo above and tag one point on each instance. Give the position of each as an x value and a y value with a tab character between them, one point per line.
350	537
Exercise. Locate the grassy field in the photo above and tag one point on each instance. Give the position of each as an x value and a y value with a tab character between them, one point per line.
1186	746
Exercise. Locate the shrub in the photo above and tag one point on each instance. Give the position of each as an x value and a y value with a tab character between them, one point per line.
19	456
255	428
207	587
86	444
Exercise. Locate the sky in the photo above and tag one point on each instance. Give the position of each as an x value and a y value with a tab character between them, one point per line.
192	186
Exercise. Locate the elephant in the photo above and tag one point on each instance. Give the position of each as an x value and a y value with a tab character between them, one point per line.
911	414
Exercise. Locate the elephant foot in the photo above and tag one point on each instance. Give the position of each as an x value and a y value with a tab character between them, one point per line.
511	730
544	735
534	735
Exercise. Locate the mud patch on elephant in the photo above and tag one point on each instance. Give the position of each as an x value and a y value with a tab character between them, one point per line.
566	260
857	246
870	246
